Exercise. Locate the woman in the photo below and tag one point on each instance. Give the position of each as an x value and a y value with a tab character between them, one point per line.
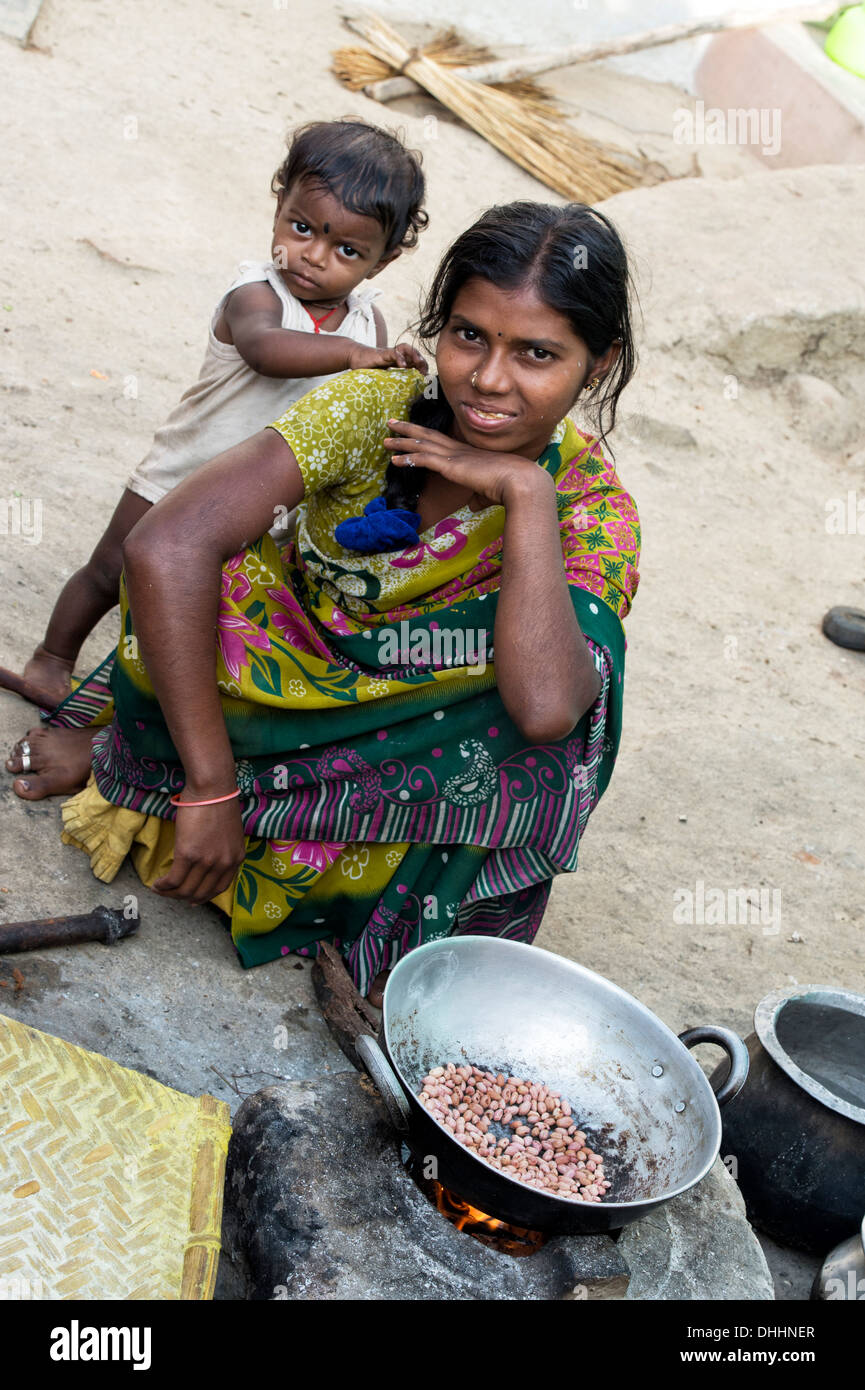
348	762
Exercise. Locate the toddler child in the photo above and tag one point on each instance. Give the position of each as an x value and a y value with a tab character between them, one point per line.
349	201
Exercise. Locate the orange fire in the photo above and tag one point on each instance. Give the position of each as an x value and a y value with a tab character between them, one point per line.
512	1240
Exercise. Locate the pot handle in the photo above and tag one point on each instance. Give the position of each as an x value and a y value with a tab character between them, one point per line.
385	1081
735	1050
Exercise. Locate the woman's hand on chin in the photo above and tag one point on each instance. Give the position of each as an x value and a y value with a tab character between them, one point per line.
209	848
496	479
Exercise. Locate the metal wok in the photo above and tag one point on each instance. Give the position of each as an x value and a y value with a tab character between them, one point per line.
635	1089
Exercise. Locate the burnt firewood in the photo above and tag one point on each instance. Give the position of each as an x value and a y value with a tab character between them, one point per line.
346	1014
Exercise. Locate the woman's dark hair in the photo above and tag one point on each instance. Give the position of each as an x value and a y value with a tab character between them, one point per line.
574	258
368	169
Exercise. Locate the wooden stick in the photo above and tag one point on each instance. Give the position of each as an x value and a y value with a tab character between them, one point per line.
509	69
346	1014
580	168
389	88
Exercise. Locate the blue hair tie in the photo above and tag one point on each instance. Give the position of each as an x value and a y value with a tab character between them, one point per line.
380	528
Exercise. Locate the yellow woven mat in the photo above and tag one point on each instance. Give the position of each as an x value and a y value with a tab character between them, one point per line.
110	1183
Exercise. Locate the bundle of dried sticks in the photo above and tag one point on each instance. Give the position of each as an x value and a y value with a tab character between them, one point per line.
574	165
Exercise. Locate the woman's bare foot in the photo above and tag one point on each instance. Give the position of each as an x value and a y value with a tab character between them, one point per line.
45	682
59	762
376	990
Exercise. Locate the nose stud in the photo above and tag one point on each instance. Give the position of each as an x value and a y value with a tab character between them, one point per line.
474	381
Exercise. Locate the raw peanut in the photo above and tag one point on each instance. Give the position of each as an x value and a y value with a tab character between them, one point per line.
544	1150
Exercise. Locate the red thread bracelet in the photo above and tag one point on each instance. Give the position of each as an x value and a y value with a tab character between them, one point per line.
213	801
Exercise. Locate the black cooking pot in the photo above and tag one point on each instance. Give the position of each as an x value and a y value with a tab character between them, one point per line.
797	1128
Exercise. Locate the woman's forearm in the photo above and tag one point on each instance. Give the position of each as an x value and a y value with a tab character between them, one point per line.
544	670
174	600
173	562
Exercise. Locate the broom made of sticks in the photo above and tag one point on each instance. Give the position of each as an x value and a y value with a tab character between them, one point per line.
360	70
581	169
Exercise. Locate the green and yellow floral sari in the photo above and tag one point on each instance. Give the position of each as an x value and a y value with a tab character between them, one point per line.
386	795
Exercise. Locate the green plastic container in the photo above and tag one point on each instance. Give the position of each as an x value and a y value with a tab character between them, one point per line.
845	42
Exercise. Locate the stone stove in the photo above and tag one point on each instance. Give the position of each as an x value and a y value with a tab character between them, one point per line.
320	1204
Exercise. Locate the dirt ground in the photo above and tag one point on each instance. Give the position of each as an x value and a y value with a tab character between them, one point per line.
140	145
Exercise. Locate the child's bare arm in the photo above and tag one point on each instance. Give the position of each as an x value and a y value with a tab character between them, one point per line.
253	318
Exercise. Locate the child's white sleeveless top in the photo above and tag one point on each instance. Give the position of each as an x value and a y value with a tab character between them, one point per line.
230	401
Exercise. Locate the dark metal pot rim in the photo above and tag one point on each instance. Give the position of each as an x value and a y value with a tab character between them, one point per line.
766	1016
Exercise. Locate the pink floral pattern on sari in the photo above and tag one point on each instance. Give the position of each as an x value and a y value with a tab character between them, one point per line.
314	854
235	632
294	626
413	555
338	623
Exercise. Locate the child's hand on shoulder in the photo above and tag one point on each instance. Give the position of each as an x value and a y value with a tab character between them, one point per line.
361	358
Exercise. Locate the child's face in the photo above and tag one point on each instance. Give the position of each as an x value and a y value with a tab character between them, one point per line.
511	367
322	249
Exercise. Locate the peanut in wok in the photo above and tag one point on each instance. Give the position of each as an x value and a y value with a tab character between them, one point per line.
545	1149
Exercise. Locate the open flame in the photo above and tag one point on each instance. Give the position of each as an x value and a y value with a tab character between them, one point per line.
511	1240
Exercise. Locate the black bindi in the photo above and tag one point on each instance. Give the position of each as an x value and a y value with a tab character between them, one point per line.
326	228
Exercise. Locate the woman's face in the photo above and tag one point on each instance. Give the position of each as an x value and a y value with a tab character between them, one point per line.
510	367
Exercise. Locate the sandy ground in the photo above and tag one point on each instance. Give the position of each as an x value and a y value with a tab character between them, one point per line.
136	173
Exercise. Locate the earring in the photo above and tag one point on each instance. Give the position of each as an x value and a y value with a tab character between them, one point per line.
593	384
